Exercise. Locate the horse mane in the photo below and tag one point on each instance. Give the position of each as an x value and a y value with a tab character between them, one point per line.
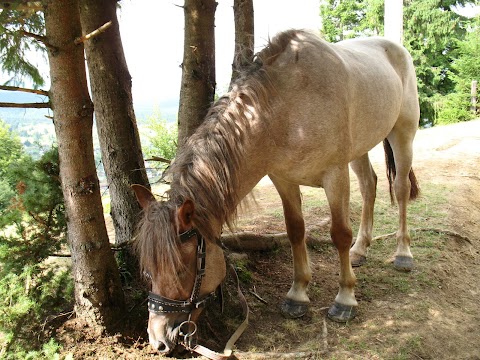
156	245
205	169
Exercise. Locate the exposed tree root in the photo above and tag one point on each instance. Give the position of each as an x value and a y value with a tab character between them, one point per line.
435	230
250	241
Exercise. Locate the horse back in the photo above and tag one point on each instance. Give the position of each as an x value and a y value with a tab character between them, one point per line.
339	100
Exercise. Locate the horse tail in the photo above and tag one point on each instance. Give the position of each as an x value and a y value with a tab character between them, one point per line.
392	172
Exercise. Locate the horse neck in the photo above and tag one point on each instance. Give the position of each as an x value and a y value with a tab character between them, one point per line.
217	167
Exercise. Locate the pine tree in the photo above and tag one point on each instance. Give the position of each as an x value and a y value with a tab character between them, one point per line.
431	33
197	89
465	68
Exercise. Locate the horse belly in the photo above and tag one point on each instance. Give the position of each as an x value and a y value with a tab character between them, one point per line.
306	169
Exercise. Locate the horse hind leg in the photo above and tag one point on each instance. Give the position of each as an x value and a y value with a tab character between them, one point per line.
296	302
368	188
405	189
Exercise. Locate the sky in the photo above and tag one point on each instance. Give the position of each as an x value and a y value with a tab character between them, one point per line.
152	36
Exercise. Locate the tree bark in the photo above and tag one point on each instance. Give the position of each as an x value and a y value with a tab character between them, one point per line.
244	36
111	86
98	294
198	69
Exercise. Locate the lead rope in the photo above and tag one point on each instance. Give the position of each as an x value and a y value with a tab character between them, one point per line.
228	351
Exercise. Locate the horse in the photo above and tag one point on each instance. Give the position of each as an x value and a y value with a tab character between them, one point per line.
300	113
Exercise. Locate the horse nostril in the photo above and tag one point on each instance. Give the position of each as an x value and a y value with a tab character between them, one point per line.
162	347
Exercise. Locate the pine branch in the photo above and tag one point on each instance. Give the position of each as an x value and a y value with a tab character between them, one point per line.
43	105
94	33
41	39
159	158
15	88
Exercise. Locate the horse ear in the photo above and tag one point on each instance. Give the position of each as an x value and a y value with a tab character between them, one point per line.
185	215
144	196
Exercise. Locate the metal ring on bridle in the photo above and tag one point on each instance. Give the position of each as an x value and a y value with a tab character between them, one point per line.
188	334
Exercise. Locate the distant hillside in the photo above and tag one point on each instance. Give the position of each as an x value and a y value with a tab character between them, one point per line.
22	117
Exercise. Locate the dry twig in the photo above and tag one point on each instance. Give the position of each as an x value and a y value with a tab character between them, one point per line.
94	33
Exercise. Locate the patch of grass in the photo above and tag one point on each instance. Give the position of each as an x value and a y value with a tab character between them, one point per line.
292	327
270	339
244	274
411	346
276	213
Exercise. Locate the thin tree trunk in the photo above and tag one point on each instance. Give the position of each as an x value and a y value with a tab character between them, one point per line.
111	86
198	69
98	294
244	36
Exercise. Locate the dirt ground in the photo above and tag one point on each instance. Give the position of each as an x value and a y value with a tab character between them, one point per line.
430	313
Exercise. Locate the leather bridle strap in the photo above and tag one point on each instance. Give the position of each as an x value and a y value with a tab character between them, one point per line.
158	304
228	351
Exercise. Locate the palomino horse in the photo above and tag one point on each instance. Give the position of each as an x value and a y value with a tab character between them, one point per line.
302	112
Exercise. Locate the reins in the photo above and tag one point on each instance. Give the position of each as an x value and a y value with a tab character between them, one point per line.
158	304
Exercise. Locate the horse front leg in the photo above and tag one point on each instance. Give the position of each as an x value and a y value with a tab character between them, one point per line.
337	188
296	302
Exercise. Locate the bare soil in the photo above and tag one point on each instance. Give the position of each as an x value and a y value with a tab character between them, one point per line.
430	313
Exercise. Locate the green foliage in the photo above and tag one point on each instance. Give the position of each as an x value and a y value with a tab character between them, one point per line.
432	31
161	136
456	106
161	142
453	108
348	18
15	44
10	151
11	148
32	227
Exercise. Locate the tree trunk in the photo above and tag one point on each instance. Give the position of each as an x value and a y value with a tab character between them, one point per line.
198	69
244	36
98	294
393	23
111	86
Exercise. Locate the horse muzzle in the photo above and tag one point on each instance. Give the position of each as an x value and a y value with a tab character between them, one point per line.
164	339
163	346
163	333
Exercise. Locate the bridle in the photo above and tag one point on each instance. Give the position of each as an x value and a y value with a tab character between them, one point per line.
158	304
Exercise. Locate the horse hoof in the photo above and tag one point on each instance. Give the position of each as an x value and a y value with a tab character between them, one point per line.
293	309
341	313
403	263
357	260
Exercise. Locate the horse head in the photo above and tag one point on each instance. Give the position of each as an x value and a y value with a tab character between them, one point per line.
184	269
